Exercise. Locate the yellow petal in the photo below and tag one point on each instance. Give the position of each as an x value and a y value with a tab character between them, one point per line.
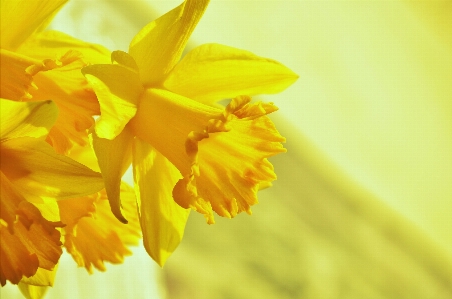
86	156
16	79
52	44
76	101
32	119
34	242
11	199
159	45
42	278
32	291
162	220
21	18
46	205
34	168
16	259
58	79
65	84
214	72
164	120
124	59
198	139
118	89
114	157
94	239
74	209
38	235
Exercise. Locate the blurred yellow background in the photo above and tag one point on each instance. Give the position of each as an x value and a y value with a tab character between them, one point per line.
362	205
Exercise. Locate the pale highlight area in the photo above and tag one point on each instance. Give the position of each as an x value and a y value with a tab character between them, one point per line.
136	278
370	126
373	94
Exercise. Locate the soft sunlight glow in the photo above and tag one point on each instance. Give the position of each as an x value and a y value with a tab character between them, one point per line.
362	202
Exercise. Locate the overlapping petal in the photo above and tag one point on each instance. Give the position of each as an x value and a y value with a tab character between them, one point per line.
21	119
42	278
16	77
167	111
21	18
32	291
16	260
63	83
76	101
165	119
11	199
213	72
159	45
124	59
114	157
29	242
118	89
97	237
38	235
52	44
25	78
162	220
35	168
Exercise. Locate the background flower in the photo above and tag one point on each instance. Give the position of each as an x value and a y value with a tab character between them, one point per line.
47	65
33	178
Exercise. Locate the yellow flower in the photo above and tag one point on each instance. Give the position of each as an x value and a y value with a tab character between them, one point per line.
47	65
97	236
161	115
33	177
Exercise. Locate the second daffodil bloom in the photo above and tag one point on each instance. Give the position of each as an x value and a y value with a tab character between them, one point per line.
161	114
38	65
33	178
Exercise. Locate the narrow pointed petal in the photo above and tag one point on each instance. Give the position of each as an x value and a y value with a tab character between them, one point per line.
21	18
159	45
118	89
124	59
32	291
162	220
214	72
96	236
50	44
33	167
42	278
114	157
32	119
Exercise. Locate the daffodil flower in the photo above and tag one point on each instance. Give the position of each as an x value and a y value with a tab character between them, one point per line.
33	177
47	65
159	114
